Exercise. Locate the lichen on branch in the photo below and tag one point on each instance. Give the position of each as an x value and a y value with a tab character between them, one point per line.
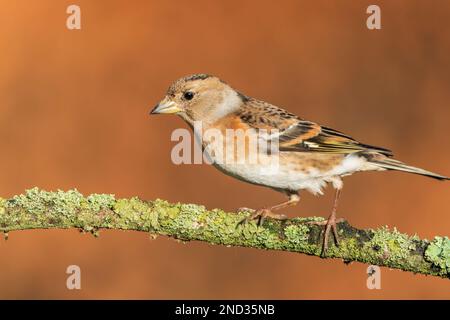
38	209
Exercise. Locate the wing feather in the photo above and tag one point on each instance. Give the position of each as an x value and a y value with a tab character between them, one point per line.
296	134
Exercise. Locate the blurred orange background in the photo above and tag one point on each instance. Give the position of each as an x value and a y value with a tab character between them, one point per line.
74	114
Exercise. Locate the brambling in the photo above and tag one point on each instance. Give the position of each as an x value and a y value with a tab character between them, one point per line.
309	155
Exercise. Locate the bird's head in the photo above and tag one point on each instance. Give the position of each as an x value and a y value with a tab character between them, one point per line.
199	97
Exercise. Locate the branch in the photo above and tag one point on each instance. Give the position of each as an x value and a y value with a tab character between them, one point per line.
37	209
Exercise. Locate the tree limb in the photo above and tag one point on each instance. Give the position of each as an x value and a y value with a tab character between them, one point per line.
37	209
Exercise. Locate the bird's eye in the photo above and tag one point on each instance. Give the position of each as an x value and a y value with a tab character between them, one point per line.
188	95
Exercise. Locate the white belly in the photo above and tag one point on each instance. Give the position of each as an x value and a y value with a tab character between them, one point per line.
286	176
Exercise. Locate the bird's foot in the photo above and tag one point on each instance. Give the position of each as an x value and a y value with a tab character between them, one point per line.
261	215
330	224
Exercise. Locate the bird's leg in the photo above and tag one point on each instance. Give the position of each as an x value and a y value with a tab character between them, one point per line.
261	214
330	223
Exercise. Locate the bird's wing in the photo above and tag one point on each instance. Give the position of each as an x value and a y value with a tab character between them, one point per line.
296	134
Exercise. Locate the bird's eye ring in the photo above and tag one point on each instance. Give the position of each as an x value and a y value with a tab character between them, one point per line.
188	95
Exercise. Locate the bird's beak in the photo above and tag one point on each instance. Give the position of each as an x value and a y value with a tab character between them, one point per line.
165	106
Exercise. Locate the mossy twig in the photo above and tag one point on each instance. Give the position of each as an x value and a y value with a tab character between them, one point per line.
38	209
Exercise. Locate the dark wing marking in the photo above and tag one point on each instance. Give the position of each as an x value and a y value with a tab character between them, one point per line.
300	135
307	136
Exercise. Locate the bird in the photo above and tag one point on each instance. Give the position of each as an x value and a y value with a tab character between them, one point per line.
308	156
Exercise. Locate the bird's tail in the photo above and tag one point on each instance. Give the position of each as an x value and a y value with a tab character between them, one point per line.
392	164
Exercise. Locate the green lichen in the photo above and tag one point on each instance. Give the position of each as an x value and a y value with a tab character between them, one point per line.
380	247
135	214
249	230
37	201
67	209
38	208
438	253
97	202
392	245
296	234
2	206
348	249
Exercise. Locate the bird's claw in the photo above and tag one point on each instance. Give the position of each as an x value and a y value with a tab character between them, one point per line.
330	224
261	215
